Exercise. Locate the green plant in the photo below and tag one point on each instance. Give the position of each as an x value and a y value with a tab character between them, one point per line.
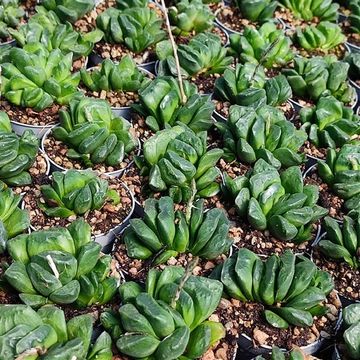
246	85
320	76
38	79
258	10
249	135
122	76
354	17
291	288
10	15
128	4
164	232
267	46
46	30
341	171
324	36
160	102
74	192
280	203
352	332
329	123
203	55
177	161
278	354
17	155
45	335
354	70
342	242
137	28
60	265
159	323
189	16
13	220
309	9
69	10
93	133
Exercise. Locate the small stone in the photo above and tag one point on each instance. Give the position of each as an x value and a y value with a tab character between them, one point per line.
260	336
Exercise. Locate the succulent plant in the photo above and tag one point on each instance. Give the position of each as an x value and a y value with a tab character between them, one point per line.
46	30
342	242
69	10
18	153
354	17
258	10
353	60
341	171
122	76
161	104
278	354
280	203
164	232
75	192
190	16
291	288
10	14
128	4
309	9
38	79
203	55
154	323
320	76
351	334
324	36
267	46
137	28
13	220
60	265
177	161
246	85
92	132
329	123
46	335
266	134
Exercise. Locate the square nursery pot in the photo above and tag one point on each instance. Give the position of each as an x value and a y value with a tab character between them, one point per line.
56	167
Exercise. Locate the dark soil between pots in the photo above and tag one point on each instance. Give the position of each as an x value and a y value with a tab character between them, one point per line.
352	38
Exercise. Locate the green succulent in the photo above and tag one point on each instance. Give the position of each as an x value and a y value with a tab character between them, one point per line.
190	16
309	9
165	232
46	335
38	79
342	242
46	30
75	192
69	10
122	76
341	171
10	15
203	55
354	17
280	203
324	36
60	265
247	85
291	288
13	220
128	4
153	324
18	153
267	46
353	60
320	76
258	10
278	354
352	333
92	132
161	104
177	161
329	123
249	135
136	28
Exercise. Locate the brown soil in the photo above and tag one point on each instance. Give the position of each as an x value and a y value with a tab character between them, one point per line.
247	318
79	64
29	7
205	83
327	199
184	39
142	131
347	279
291	21
101	221
47	117
340	51
57	150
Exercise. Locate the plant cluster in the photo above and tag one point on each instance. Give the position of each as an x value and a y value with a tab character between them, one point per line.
259	11
351	334
354	17
10	16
